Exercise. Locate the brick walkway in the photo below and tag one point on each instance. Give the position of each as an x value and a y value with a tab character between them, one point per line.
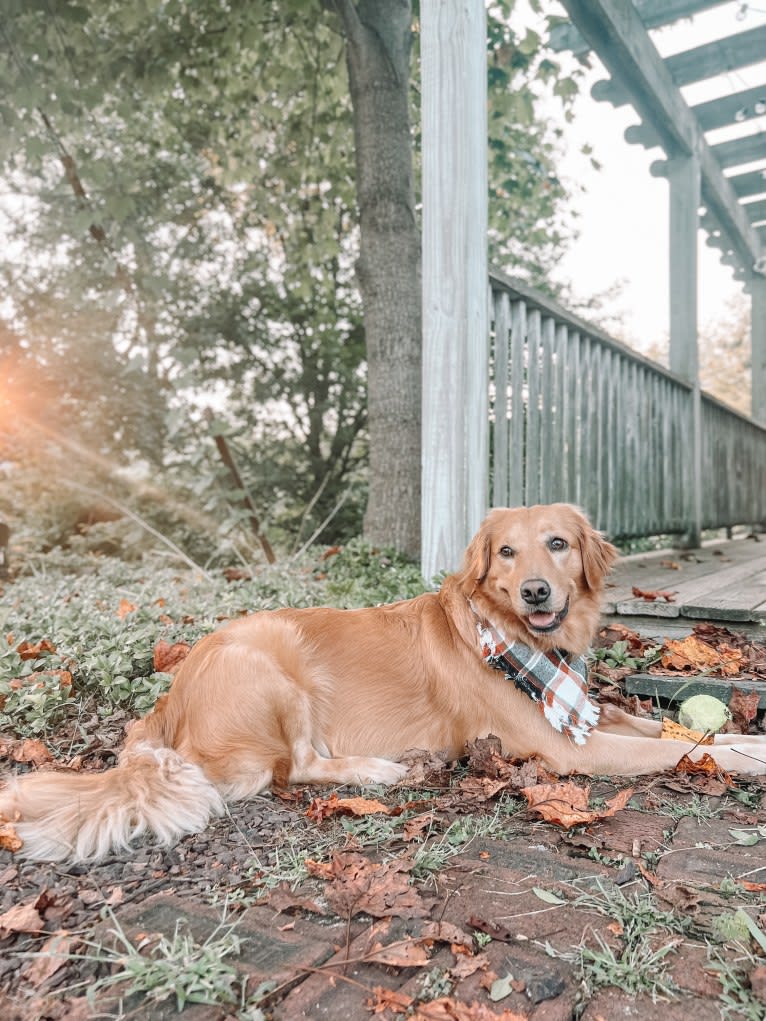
525	889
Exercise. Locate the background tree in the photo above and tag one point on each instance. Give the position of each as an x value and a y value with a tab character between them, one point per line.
184	236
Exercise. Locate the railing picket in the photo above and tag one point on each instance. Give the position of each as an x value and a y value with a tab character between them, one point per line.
580	417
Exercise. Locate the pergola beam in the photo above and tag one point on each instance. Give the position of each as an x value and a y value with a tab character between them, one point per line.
751	183
618	35
652	13
719	113
699	63
755	211
740	150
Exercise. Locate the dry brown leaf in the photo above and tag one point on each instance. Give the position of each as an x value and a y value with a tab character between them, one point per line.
380	889
705	766
446	1008
9	838
408	953
693	654
743	706
389	999
168	658
21	918
672	731
446	932
125	608
654	596
53	955
566	804
323	808
28	650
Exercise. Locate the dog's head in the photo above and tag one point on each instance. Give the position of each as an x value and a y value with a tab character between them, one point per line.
538	574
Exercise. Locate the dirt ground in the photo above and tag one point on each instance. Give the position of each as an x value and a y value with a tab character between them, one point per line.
453	900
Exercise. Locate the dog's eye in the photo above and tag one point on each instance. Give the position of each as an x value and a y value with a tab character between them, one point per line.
506	551
557	544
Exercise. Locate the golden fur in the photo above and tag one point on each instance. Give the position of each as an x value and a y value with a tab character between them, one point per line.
338	696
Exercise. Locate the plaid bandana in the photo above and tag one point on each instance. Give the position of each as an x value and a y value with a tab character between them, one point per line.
557	685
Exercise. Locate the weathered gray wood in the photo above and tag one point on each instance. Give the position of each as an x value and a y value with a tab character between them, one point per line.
710	59
751	183
717	113
652	13
547	411
455	333
518	410
758	343
677	688
532	467
615	31
684	178
502	310
740	150
756	211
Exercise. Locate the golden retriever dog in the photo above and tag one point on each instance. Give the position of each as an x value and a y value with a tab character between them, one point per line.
328	696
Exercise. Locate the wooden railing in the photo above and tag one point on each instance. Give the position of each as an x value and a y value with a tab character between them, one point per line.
579	417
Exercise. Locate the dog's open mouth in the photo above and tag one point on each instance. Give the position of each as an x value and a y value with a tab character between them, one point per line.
547	621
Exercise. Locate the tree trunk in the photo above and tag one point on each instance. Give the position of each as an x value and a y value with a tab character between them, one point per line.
378	34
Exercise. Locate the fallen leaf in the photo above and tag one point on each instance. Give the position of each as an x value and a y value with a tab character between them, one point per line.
654	596
380	889
743	706
322	808
389	999
547	896
672	731
168	658
446	932
705	766
694	654
670	565
408	953
566	804
52	956
125	608
448	1009
27	650
9	838
21	918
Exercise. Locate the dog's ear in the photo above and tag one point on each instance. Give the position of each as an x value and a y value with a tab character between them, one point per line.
598	555
476	560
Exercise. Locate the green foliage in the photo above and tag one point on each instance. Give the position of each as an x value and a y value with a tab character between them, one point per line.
361	575
617	655
103	617
177	967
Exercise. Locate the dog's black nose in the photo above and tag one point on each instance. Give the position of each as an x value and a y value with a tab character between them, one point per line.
535	591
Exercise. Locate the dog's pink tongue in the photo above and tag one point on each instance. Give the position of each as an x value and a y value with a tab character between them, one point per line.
541	619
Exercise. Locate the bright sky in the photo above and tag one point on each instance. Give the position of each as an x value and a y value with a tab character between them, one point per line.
624	210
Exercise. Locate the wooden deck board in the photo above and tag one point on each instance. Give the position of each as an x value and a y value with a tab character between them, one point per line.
724	581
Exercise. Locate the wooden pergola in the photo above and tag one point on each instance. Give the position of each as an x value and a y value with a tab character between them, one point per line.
730	208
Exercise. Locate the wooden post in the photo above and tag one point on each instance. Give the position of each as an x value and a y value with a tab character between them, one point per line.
455	272
758	341
684	178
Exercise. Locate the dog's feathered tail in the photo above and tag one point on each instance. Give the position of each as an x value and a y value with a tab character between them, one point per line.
81	817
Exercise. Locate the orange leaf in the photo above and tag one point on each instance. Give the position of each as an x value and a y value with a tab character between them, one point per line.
323	808
168	658
21	918
388	999
706	766
653	596
672	731
743	706
691	653
566	804
28	651
9	838
402	954
125	608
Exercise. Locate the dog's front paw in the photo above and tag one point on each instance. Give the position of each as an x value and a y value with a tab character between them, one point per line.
381	771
